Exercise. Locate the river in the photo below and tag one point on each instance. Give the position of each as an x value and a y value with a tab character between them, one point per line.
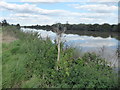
104	46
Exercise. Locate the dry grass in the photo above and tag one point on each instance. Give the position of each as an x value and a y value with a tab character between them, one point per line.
6	38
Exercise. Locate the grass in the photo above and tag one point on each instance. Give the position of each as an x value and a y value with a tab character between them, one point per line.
30	62
0	57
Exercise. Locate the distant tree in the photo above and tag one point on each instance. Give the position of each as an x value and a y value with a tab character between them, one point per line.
0	24
96	27
114	28
18	26
106	27
81	27
118	28
4	23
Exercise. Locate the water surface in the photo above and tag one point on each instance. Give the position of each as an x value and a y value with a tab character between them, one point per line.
106	46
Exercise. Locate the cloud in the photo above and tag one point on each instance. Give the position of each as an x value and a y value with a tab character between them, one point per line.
99	8
23	16
103	0
28	14
28	8
17	8
52	1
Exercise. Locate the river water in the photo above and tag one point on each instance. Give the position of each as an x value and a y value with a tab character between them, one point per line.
106	47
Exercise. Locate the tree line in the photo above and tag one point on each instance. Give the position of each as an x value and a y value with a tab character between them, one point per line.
5	23
82	27
71	27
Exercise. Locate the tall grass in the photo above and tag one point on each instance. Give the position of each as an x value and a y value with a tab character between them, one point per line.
0	57
30	62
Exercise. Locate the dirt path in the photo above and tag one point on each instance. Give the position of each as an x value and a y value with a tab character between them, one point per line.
5	38
0	38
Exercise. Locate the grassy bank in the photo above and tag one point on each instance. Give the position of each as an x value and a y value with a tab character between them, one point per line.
29	62
0	57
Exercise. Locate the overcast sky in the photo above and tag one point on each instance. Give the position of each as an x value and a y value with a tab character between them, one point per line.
42	12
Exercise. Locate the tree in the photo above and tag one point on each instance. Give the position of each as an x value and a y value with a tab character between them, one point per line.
18	26
106	27
59	29
4	23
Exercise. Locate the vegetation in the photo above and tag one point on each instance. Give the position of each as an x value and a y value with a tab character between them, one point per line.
5	23
82	27
30	62
0	57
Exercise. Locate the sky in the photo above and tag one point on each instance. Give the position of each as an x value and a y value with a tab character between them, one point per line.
48	12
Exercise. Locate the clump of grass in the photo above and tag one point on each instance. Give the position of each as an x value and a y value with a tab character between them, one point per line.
30	62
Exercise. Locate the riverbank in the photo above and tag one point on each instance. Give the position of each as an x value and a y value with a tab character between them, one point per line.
0	57
104	47
30	62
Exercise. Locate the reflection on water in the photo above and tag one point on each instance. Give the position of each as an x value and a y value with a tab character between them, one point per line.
96	34
105	47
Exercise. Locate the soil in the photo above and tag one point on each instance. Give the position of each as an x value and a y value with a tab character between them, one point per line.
5	38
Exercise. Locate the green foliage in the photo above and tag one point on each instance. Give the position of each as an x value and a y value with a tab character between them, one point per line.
81	27
33	82
89	74
0	58
30	62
